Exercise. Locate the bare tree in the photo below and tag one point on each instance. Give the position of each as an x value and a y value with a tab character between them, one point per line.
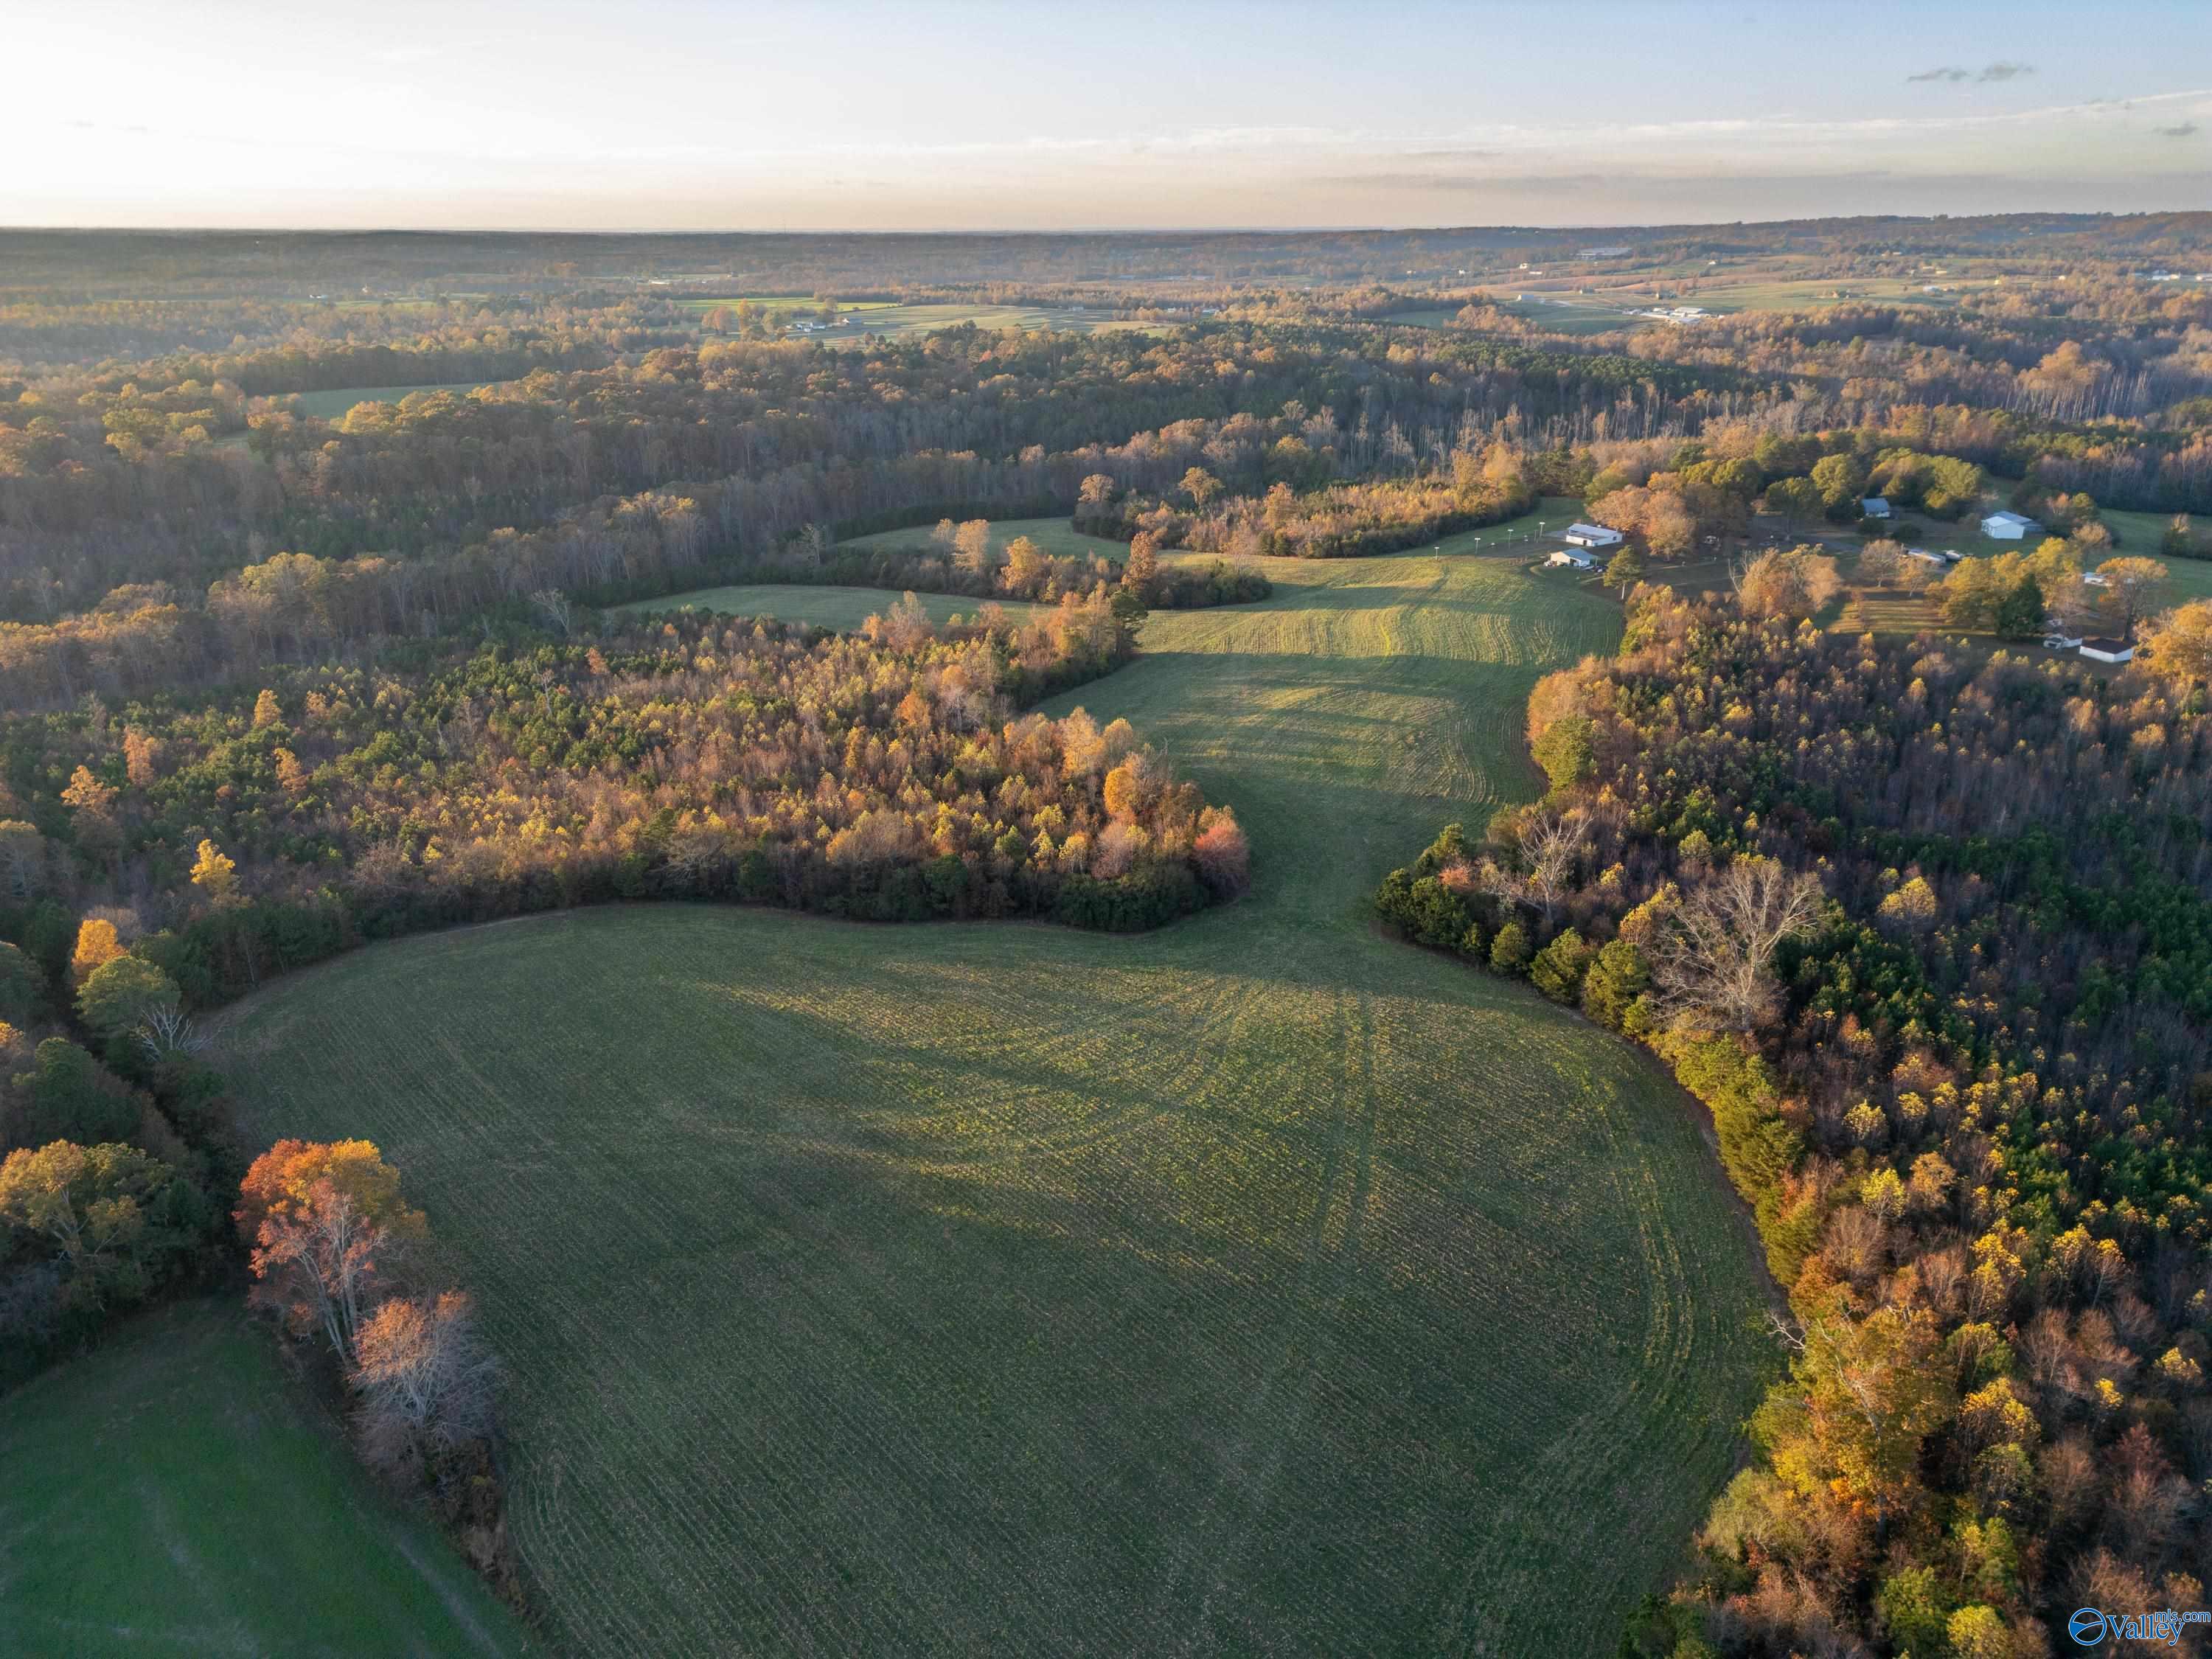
22	858
166	1031
1549	845
426	1379
1714	959
553	605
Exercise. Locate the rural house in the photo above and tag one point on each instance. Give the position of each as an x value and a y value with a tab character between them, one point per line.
2108	650
2007	526
1591	535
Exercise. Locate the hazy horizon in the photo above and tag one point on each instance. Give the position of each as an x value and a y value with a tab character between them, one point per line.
678	115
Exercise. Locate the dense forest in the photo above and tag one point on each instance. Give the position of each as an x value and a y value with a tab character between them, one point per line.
178	853
1932	937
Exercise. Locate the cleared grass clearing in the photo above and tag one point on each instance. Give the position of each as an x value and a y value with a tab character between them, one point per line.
1055	536
170	1493
843	609
1261	1285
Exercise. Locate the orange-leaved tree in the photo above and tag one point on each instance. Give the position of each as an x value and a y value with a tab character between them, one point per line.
321	1217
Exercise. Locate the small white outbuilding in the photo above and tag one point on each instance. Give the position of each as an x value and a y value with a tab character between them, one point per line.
2007	526
2108	650
1572	557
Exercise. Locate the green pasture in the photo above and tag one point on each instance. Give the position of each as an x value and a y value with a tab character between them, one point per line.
1055	536
1261	1285
175	1494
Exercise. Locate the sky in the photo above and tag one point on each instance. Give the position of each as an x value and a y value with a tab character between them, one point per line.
692	115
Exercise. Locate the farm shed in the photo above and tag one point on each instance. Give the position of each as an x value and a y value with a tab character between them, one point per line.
1572	557
2007	526
1591	535
2108	650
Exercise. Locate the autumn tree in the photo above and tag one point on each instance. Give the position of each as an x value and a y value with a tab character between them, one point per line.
92	805
2179	646
1224	861
280	1182
213	872
142	756
114	1218
2134	588
1144	563
317	1261
97	945
972	543
1869	1398
1791	586
267	711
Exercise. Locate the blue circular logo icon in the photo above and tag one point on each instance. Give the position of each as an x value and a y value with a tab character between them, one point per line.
2086	1626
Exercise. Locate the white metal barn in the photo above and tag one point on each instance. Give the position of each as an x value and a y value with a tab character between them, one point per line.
1591	535
2007	526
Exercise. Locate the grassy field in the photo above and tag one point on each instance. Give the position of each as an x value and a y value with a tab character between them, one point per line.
841	608
1056	536
1260	1284
172	1494
1560	307
331	405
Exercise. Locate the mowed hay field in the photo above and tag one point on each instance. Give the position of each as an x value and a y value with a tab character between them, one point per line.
1259	1285
1055	536
170	1493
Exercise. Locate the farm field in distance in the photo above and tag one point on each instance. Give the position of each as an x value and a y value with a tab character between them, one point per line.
1259	1284
1055	536
840	607
219	1500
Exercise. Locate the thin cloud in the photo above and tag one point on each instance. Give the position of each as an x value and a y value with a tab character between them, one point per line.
2185	130
1951	73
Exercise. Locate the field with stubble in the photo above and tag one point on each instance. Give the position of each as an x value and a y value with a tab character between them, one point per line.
1259	1285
